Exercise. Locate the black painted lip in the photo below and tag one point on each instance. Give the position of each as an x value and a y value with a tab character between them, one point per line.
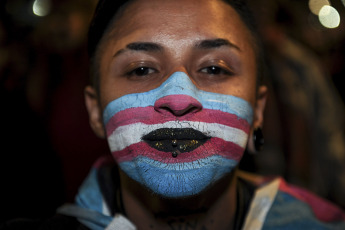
175	139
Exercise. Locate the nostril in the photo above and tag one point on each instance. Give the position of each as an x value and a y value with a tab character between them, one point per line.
179	112
177	105
163	108
189	109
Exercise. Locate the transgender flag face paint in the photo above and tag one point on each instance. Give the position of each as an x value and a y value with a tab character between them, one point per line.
177	140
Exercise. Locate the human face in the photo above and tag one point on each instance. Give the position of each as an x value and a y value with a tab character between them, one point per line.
178	93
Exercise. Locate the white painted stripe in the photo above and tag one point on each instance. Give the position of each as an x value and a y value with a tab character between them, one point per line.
127	135
261	204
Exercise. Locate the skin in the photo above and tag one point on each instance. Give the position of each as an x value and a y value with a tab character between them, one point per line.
176	34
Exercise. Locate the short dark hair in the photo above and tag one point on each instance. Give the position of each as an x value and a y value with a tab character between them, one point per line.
241	7
106	10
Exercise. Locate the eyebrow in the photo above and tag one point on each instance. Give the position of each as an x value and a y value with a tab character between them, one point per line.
141	46
215	43
153	47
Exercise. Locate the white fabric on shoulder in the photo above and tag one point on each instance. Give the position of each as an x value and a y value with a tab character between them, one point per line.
120	223
261	204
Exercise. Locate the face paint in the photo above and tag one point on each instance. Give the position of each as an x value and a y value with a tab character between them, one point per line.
177	140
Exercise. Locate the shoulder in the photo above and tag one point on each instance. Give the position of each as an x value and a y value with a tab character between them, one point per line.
298	208
284	206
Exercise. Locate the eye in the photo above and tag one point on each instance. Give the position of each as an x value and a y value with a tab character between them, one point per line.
214	70
141	71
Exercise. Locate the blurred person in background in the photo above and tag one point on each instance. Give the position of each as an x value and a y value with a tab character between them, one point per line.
306	143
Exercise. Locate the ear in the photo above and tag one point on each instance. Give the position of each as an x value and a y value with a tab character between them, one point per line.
259	109
95	112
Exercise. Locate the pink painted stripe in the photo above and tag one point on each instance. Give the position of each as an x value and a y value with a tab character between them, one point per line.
148	115
214	146
323	210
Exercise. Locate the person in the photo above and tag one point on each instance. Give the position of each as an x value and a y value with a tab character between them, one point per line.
177	92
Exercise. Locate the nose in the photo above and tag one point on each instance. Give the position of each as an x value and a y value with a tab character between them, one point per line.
178	105
177	96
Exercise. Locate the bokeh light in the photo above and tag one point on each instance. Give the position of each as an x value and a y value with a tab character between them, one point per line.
316	5
41	8
329	17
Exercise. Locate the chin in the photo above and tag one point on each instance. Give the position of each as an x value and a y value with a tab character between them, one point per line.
180	180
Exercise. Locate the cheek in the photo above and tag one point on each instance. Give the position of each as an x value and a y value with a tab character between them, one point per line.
243	86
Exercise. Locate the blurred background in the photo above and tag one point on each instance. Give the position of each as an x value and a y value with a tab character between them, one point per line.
48	147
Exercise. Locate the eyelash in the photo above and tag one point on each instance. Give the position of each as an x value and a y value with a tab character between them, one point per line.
144	71
219	70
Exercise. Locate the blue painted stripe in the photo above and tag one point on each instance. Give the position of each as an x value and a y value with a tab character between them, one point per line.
179	83
178	179
90	195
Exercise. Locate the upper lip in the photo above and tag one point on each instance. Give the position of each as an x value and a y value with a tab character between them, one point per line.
172	139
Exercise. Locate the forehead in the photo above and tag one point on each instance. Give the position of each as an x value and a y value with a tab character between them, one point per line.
178	21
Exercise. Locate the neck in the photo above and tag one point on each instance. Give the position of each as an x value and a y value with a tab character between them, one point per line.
213	209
